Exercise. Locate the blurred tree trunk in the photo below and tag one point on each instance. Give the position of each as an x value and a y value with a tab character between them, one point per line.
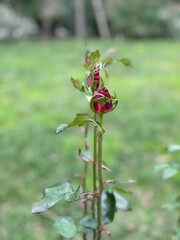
48	11
101	18
80	20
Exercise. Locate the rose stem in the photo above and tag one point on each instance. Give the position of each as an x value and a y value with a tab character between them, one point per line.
100	138
94	172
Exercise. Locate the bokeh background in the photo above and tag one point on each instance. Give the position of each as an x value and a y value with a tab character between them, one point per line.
43	44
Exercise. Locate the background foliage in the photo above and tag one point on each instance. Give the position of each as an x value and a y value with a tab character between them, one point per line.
127	19
37	95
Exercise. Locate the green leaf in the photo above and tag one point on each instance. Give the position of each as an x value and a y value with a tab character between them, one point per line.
94	57
160	167
108	206
87	154
121	190
168	169
77	84
65	226
173	148
81	119
89	222
75	195
87	231
169	172
54	194
107	61
127	62
61	128
121	202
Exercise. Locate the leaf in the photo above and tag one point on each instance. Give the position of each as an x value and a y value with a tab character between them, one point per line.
87	154
127	62
107	61
169	172
173	148
81	119
121	202
94	57
75	195
65	226
54	194
61	128
121	190
89	222
108	206
160	167
77	84
87	231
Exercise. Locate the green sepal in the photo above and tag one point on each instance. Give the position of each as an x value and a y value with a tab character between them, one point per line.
127	62
65	226
54	194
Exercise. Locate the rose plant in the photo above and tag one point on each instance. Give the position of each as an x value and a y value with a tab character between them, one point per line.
100	203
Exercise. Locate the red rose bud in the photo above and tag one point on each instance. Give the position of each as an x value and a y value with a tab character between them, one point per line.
102	101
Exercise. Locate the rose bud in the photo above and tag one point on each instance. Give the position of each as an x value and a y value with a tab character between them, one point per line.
102	101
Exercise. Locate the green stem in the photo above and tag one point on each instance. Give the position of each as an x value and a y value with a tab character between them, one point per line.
94	172
100	178
94	165
85	173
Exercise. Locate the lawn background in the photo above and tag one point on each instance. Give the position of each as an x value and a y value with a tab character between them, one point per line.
37	95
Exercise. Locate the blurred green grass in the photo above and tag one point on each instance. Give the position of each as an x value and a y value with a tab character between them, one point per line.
36	96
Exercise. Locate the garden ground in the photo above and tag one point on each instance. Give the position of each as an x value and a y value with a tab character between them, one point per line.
37	95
